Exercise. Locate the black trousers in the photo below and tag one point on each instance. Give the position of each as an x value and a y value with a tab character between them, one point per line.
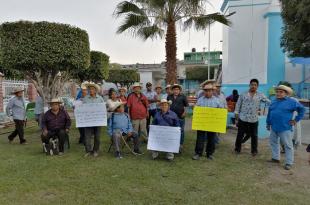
19	130
250	129
60	134
82	135
148	120
202	137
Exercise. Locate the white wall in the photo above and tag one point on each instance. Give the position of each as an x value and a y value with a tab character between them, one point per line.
245	43
145	76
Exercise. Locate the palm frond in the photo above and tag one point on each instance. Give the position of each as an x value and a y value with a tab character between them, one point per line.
201	22
150	32
127	7
133	22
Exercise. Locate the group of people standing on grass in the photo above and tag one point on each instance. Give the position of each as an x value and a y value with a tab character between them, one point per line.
131	114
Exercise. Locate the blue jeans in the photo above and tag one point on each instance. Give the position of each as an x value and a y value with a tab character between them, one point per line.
182	124
286	140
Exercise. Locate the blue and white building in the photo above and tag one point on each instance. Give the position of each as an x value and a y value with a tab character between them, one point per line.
251	47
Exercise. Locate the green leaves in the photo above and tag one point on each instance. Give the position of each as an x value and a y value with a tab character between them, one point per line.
43	45
125	77
203	21
296	31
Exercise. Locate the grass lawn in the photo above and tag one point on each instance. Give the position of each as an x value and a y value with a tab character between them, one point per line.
27	176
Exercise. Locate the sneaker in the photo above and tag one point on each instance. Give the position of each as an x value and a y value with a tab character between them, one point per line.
155	155
10	141
118	155
137	152
254	154
23	142
276	161
60	153
288	167
95	154
210	157
181	148
196	157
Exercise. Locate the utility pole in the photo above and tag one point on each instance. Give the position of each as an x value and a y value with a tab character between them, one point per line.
209	56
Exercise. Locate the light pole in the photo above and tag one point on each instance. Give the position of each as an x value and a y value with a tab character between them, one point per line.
209	56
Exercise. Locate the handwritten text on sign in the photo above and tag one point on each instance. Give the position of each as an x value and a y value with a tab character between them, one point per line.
91	115
164	139
209	119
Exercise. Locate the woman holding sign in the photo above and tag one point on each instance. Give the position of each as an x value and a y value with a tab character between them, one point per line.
93	97
208	100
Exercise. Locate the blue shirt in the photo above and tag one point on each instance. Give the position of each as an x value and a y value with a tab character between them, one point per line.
209	102
90	99
166	119
16	108
151	95
121	122
281	112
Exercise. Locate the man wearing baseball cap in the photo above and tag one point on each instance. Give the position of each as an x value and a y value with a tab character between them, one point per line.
279	122
16	109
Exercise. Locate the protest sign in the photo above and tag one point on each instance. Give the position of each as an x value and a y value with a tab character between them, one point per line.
91	115
209	119
164	139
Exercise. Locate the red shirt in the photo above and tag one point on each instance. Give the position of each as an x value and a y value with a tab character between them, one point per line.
123	99
137	106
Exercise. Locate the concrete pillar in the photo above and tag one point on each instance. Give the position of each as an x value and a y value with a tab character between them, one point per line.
1	92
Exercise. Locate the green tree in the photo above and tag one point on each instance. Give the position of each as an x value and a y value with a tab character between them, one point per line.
124	77
98	69
296	31
47	54
158	18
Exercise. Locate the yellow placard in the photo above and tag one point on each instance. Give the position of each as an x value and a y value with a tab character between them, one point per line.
209	119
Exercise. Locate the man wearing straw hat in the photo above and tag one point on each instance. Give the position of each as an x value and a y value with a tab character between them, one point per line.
279	122
92	97
120	126
168	92
16	109
165	117
178	105
138	110
55	124
208	100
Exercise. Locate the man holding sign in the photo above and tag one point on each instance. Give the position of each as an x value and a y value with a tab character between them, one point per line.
208	100
90	131
165	117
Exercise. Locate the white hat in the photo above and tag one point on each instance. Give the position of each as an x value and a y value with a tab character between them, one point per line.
83	85
136	84
168	86
287	89
176	86
165	101
55	100
92	84
123	88
115	105
208	87
18	89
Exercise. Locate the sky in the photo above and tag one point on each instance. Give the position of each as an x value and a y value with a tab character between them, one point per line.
95	16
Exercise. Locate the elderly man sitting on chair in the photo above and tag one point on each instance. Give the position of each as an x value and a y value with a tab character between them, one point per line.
119	126
165	117
56	124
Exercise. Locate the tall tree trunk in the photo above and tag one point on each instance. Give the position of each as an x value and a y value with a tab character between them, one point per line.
171	53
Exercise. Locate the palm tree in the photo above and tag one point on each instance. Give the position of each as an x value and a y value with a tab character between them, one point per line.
158	18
